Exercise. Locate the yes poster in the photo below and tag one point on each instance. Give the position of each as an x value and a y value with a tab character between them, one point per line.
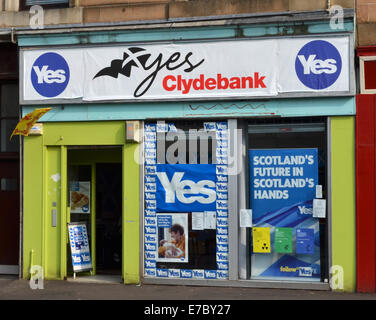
283	186
283	177
186	187
79	244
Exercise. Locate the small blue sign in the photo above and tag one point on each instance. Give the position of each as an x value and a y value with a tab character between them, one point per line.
198	274
150	230
222	265
164	221
222	274
150	246
318	64
79	244
50	74
305	241
210	274
150	238
186	273
162	273
150	272
150	264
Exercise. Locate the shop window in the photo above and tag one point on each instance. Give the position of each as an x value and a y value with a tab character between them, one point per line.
287	171
8	117
186	230
27	4
367	74
8	53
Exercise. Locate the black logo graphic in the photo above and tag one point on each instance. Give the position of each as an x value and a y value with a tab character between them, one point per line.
139	58
133	57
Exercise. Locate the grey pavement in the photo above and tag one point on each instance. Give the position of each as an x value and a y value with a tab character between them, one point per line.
15	289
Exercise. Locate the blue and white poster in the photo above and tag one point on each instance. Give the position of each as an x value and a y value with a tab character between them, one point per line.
283	185
304	241
79	244
186	187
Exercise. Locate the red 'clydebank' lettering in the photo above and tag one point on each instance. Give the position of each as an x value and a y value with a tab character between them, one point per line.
171	83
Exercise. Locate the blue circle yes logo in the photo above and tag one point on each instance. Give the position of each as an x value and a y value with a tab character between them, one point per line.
50	74
318	64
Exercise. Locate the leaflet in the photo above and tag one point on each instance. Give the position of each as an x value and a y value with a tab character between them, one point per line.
305	241
197	221
283	240
261	240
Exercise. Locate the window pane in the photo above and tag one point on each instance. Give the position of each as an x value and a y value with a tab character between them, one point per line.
370	75
9	100
186	237
286	242
6	128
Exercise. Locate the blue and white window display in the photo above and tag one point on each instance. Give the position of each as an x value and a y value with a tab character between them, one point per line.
283	186
183	203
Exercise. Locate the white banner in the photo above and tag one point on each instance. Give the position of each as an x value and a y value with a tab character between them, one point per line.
241	69
313	65
57	74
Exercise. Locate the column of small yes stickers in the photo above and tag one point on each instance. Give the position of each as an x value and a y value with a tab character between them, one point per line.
222	136
150	217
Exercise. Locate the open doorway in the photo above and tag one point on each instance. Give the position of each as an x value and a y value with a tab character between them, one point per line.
108	218
95	175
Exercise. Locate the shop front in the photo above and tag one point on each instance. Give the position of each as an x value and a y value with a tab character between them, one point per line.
212	160
246	202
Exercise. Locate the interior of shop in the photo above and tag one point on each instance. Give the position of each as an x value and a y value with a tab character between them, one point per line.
95	199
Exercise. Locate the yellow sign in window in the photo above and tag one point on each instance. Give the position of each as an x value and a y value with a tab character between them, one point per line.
261	240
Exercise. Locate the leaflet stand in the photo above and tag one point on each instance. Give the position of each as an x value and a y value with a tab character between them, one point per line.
79	243
74	274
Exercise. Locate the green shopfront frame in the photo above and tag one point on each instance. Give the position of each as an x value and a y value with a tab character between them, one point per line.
46	155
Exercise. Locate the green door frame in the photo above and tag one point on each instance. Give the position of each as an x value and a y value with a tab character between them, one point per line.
45	190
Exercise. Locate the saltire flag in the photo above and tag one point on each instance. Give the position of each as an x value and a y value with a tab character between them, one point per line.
26	123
